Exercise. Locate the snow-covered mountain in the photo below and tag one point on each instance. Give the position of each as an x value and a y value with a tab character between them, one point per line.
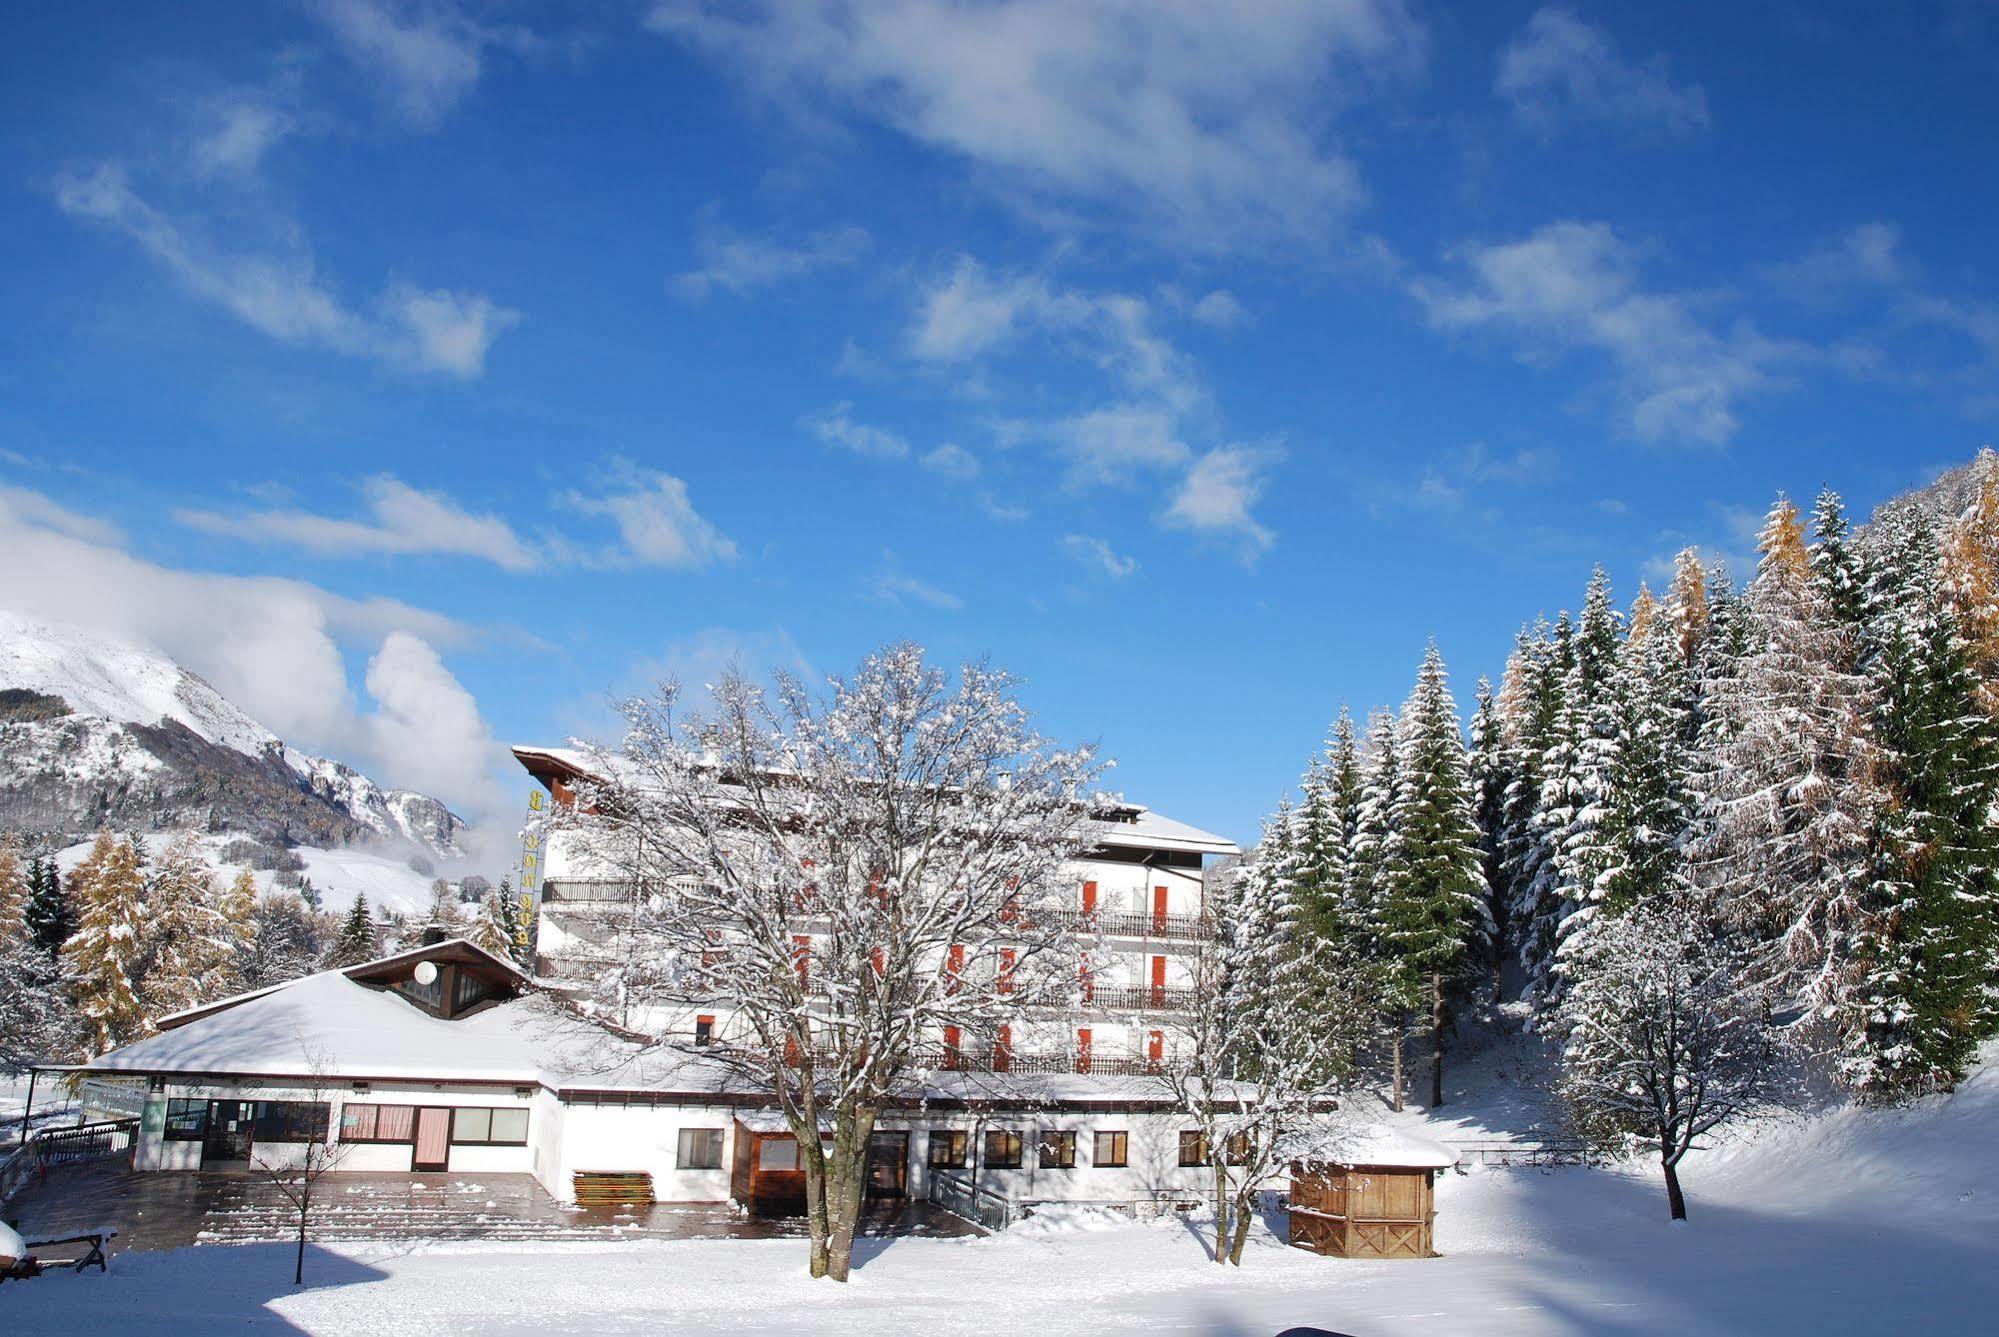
95	731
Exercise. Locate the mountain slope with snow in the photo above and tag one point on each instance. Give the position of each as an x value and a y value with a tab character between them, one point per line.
95	731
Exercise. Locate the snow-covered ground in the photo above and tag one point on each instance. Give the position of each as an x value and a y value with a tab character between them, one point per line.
383	875
1858	1222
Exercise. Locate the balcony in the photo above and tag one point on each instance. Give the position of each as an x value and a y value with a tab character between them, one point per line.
1175	928
1138	998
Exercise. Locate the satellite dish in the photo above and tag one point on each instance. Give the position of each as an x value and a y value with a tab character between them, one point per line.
426	972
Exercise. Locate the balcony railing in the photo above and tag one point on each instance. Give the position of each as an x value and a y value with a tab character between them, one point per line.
1183	928
1138	998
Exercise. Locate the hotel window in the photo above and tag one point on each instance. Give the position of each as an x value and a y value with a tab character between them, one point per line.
704	1030
1110	1151
1193	1148
1056	1149
187	1120
378	1123
290	1121
700	1149
1002	1149
947	1150
489	1128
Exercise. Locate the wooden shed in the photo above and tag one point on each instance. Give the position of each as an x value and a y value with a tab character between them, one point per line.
1376	1200
765	1176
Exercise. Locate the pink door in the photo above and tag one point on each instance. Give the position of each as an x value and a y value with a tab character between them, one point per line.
433	1138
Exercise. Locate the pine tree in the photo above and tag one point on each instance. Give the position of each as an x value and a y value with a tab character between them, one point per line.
102	957
50	914
1433	907
357	940
1836	565
521	952
1492	775
1577	774
493	927
1328	824
1784	781
1537	725
286	944
239	911
189	945
1925	952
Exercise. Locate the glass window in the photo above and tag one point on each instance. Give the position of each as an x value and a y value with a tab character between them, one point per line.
947	1149
357	1122
1056	1150
778	1153
700	1149
395	1123
1193	1148
290	1121
704	1030
1002	1149
1111	1150
510	1128
468	1125
187	1120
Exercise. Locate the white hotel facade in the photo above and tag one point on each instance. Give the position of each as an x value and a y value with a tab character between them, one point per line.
445	1059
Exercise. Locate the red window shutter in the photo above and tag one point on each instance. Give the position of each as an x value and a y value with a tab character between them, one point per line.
1003	1049
801	952
952	1057
1007	959
1155	1046
1159	909
1088	979
1083	1049
879	958
954	966
1089	898
1159	981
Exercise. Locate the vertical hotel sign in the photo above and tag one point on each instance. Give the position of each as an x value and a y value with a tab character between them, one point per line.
531	852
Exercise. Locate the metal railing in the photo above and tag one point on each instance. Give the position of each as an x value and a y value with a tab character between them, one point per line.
1138	998
85	1142
1125	924
1536	1154
960	1195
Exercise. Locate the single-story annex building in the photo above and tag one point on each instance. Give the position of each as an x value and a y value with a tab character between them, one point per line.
446	1058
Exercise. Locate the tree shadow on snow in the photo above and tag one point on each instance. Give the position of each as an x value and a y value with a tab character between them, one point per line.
193	1291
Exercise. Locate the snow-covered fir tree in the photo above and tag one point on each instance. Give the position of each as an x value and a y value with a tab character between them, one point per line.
1576	777
358	939
1929	938
1837	566
1970	577
1784	781
103	957
496	925
50	913
1492	775
287	942
1534	714
1433	903
13	888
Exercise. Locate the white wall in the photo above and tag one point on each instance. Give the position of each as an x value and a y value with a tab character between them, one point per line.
629	1139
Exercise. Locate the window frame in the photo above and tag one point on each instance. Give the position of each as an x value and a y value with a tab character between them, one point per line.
199	1105
320	1115
1122	1157
1014	1161
375	1137
680	1146
947	1139
1064	1140
1195	1138
453	1139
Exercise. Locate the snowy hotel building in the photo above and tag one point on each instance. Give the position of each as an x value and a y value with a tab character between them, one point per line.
447	1059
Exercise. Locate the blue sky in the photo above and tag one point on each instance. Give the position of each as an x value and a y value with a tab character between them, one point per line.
422	373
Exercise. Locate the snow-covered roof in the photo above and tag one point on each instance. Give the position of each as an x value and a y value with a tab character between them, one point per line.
1136	826
1387	1145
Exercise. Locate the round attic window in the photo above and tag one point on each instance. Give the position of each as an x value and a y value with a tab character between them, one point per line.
426	972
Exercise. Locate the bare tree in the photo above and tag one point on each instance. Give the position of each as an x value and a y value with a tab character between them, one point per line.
847	881
295	1176
1665	1044
1268	1044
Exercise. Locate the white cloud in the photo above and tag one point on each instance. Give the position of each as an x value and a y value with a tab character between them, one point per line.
1206	124
281	294
1221	310
952	461
424	58
1120	444
656	522
1572	285
1099	556
426	729
238	132
1216	495
272	646
737	264
28	507
404	520
892	585
836	427
1560	65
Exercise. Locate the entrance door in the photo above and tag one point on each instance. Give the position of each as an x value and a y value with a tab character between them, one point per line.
229	1126
888	1165
433	1139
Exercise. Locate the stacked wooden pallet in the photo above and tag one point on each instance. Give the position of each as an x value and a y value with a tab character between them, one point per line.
598	1188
